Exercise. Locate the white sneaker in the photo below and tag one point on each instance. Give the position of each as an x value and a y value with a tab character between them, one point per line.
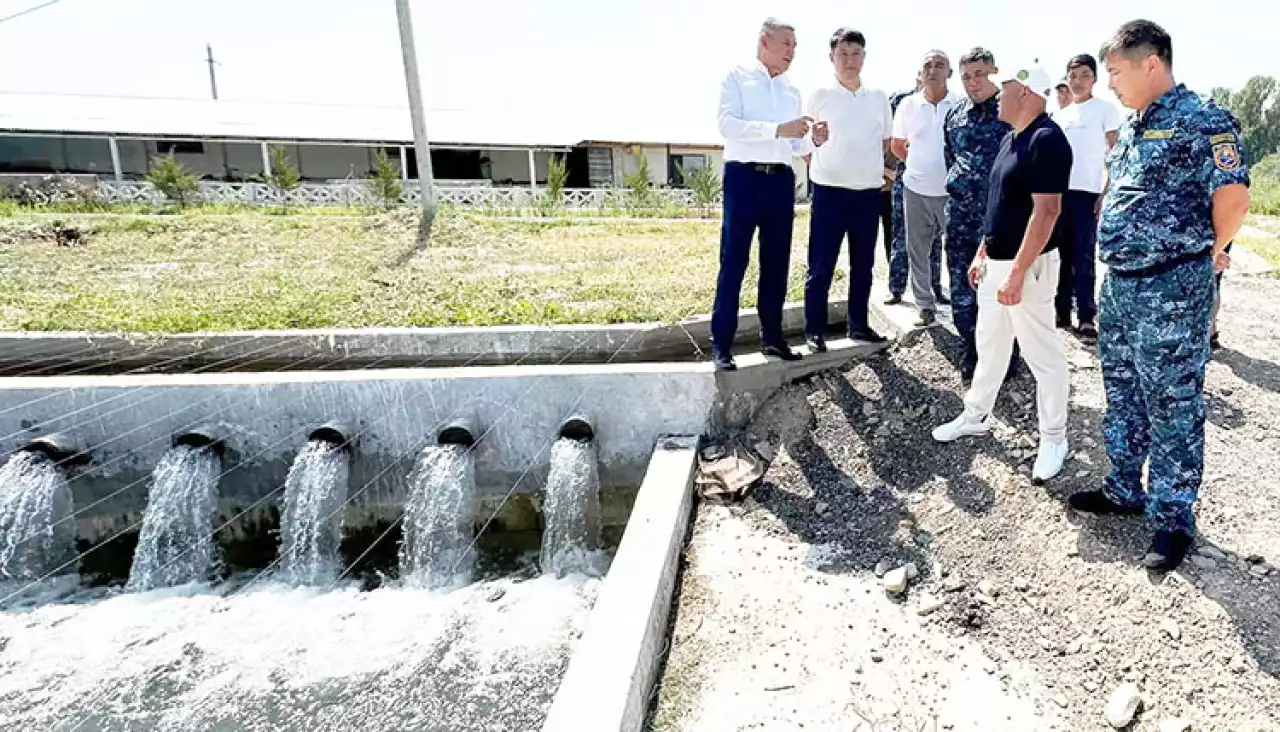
963	426
1049	460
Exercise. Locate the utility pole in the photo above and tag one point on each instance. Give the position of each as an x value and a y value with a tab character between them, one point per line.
418	116
213	76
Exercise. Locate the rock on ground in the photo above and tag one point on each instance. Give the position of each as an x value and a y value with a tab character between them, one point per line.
775	596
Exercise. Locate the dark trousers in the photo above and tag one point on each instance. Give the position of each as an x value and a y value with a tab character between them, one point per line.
964	236
886	224
753	200
837	214
1079	244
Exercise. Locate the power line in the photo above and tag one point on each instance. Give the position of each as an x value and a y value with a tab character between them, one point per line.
28	11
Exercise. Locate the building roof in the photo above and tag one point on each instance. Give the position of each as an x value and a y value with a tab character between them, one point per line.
239	120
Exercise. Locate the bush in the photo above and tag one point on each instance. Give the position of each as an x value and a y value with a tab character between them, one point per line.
552	199
173	180
60	191
384	181
706	187
284	177
640	193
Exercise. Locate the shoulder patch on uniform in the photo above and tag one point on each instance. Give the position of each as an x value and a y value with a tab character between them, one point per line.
1157	134
1226	156
1224	137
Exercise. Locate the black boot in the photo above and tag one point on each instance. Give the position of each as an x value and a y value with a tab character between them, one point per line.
1097	502
1168	549
817	344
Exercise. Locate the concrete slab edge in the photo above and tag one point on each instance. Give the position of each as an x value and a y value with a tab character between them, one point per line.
614	665
355	348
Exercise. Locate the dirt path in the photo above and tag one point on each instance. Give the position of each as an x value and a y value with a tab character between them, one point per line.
1025	615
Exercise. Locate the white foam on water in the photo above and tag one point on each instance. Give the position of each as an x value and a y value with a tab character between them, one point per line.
275	657
311	524
436	551
176	543
37	533
571	537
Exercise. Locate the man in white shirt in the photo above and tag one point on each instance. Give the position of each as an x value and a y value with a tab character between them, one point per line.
763	126
1063	90
852	126
918	141
1092	126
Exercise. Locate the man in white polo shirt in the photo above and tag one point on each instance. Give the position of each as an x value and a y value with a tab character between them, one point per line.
918	141
1092	126
851	132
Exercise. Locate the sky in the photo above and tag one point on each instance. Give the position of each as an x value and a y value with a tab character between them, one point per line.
613	66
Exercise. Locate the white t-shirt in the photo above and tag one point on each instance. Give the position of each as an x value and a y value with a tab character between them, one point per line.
920	124
1086	125
859	122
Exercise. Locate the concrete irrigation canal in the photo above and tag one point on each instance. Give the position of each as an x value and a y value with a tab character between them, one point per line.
437	548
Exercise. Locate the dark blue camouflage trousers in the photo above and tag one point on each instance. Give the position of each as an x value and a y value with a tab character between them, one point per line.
898	269
964	235
1153	337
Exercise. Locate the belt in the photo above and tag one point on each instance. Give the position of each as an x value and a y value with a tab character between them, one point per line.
767	168
1165	266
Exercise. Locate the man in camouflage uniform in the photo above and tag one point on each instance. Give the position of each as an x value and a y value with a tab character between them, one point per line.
1178	192
971	142
897	251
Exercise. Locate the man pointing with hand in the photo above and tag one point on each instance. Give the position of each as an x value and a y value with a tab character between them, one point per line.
761	121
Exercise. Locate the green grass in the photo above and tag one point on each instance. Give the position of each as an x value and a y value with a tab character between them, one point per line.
1264	197
1267	247
197	272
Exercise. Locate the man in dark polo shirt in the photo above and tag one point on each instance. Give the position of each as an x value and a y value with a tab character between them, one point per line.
1016	270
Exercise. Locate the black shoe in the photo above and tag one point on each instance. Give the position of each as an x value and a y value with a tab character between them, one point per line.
894	299
866	335
783	352
1064	322
926	319
1167	550
817	344
941	298
1087	330
1097	502
724	362
967	367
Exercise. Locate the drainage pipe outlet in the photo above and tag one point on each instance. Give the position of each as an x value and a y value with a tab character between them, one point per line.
59	447
579	428
211	436
460	431
336	433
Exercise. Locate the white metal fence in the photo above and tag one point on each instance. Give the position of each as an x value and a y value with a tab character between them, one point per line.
360	193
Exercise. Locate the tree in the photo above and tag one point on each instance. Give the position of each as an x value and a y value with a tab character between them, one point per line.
557	176
1257	106
705	185
174	181
283	177
639	188
385	181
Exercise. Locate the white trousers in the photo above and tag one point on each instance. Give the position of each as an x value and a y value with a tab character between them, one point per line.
1031	322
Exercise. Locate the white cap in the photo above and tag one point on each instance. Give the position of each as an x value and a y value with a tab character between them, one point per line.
1033	78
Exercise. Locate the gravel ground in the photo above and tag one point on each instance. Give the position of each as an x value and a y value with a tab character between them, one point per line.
1025	615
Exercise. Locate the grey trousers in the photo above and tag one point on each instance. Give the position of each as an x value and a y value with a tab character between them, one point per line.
926	219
